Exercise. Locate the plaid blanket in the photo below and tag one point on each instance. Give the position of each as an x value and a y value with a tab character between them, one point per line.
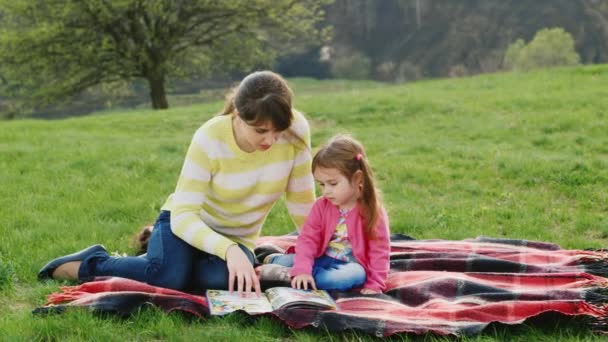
437	286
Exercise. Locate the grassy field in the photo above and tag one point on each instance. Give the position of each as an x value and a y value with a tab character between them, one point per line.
505	155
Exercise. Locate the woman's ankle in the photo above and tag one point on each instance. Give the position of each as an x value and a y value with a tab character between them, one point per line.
67	271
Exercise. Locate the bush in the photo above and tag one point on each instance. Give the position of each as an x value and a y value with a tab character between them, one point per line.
386	72
458	70
549	48
355	66
513	53
407	72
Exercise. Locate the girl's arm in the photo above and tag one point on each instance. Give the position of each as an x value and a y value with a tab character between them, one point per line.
300	193
309	242
190	192
379	251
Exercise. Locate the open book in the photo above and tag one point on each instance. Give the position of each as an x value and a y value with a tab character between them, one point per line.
222	302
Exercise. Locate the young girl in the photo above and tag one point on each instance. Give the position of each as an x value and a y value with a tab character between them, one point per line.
237	166
345	241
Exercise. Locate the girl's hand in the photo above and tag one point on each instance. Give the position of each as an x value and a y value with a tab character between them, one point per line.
301	281
241	271
369	291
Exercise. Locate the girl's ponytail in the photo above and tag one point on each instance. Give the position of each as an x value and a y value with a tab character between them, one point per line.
370	200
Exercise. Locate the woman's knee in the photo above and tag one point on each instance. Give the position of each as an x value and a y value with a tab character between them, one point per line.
168	276
170	258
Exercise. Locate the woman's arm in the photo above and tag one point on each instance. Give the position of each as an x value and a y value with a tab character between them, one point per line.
300	192
190	193
186	223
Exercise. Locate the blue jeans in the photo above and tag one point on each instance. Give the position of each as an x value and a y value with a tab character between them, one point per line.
329	273
170	262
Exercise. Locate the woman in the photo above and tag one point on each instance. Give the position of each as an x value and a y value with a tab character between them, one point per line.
237	166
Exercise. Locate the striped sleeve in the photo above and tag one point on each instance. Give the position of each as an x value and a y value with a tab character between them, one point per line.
300	194
188	198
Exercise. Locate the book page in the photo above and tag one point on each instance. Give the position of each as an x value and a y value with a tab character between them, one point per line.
223	302
284	296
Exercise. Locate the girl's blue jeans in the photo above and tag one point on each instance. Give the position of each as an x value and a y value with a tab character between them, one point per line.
329	273
170	262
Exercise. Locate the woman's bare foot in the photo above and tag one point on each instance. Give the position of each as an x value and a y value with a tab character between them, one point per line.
67	271
273	272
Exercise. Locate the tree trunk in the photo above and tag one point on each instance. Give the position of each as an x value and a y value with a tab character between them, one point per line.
157	92
418	21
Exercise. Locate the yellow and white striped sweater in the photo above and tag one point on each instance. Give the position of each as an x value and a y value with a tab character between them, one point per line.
224	194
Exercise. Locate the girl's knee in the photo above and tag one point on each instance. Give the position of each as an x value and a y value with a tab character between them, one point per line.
343	278
356	269
356	273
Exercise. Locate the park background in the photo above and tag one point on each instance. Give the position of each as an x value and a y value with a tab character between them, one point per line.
479	117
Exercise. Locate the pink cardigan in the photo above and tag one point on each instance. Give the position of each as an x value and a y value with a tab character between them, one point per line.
320	226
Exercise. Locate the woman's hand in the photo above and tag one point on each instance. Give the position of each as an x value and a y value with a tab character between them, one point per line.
369	291
241	271
301	281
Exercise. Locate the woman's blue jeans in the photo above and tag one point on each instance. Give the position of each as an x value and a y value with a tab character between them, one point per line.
170	262
329	273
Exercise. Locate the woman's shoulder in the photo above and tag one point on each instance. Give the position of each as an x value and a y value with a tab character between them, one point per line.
216	121
215	127
300	124
212	137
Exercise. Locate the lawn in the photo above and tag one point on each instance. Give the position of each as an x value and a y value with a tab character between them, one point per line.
506	155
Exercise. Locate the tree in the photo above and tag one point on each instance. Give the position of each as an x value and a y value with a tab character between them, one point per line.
52	50
549	48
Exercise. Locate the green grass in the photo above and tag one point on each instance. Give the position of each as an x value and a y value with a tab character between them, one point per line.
505	155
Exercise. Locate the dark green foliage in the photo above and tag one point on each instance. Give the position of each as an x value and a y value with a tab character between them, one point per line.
457	38
51	50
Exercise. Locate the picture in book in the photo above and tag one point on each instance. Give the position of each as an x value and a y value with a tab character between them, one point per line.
222	302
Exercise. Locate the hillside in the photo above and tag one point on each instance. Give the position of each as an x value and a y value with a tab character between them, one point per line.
504	155
438	38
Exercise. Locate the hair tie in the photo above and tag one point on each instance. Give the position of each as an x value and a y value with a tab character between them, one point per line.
359	156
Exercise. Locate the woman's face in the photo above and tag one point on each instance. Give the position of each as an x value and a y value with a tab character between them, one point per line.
259	137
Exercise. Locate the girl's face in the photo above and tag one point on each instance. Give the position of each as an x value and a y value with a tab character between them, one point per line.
338	189
260	137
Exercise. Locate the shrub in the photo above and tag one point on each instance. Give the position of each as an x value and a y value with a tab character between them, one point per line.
513	53
355	66
549	48
458	70
386	71
408	71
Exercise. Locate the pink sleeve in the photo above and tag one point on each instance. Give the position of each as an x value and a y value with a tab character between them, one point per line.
308	241
379	251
